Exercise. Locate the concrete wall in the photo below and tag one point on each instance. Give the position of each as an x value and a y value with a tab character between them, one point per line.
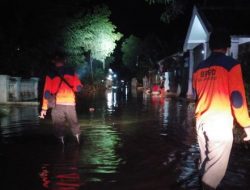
235	42
4	86
14	89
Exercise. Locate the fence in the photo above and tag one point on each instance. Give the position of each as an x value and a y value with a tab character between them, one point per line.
15	89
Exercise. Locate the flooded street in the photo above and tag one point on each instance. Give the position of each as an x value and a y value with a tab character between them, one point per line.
128	143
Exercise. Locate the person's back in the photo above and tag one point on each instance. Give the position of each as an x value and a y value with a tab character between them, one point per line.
218	86
220	94
65	94
62	83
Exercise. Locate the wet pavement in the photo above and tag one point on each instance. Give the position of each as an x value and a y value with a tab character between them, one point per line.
128	143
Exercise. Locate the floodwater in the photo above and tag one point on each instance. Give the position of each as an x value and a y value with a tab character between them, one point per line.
130	142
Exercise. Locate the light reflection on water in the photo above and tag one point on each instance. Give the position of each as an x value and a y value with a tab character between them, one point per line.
111	97
129	142
100	157
75	166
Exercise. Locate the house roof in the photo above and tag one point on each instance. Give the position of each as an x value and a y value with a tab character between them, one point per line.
203	20
198	30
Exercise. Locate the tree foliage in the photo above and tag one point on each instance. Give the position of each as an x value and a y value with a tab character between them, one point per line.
159	1
131	48
92	32
153	49
140	56
173	8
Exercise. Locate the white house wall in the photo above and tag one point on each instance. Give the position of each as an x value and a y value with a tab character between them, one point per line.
235	42
198	33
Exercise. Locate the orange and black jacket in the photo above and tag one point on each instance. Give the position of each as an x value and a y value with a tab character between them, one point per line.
219	89
65	95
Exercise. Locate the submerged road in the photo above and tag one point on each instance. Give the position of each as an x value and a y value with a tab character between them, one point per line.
128	143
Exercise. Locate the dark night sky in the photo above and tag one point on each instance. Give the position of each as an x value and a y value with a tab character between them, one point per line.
135	16
31	25
130	16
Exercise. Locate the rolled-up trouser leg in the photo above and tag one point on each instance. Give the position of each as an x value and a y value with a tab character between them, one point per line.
215	142
72	119
58	120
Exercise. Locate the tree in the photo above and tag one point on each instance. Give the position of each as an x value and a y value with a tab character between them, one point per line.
131	48
153	49
140	56
175	8
92	32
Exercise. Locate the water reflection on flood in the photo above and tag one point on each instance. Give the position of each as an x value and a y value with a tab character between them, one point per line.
20	119
111	97
96	161
100	157
63	173
75	167
129	142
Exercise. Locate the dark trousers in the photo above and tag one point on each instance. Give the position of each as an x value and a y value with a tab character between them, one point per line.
62	114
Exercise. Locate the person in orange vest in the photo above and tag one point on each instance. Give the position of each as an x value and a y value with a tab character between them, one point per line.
63	83
221	100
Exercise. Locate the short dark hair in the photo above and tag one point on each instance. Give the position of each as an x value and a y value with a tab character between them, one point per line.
59	57
219	39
